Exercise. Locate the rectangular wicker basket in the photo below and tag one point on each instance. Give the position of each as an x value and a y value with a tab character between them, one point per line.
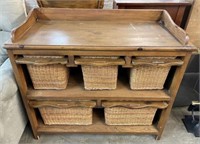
48	75
74	114
130	113
150	72
100	72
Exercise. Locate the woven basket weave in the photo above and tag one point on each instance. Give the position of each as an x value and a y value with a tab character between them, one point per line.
66	116
53	76
131	113
100	77
126	116
149	76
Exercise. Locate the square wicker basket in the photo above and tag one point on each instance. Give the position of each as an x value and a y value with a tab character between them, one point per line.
130	113
68	115
100	72
100	77
126	116
149	75
48	76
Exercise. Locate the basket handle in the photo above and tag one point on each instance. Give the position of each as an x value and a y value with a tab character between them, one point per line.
135	105
41	61
67	104
157	62
99	61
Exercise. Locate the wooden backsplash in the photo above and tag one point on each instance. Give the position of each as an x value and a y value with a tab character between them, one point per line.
193	28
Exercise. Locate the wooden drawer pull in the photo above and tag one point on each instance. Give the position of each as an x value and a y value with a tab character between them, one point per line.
55	104
41	61
161	62
99	61
136	105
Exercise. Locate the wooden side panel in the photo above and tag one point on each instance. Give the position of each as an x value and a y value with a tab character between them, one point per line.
179	33
193	28
19	31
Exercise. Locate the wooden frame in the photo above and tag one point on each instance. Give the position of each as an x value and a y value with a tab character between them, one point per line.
179	10
21	44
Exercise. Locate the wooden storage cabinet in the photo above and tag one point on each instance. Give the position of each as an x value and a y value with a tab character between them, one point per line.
179	10
133	33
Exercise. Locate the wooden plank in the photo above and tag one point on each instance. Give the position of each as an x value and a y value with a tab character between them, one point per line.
176	31
41	61
134	105
99	61
98	127
61	104
153	52
155	2
75	91
20	78
93	14
173	92
18	32
99	34
157	62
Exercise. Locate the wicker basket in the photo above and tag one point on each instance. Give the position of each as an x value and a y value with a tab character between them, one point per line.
100	72
129	113
150	72
48	76
68	115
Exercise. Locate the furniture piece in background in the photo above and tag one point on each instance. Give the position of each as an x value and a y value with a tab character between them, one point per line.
105	36
71	3
13	118
189	89
179	10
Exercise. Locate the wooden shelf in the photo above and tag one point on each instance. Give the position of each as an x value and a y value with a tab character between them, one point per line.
98	126
75	90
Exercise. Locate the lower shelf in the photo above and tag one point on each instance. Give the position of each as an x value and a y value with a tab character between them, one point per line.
98	126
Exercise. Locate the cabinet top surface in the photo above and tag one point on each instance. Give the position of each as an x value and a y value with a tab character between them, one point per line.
98	33
103	32
155	1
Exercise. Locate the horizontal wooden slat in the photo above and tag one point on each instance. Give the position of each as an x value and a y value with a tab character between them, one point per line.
93	14
41	61
60	104
135	105
99	62
157	62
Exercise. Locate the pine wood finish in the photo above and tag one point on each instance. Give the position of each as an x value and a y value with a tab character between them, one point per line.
71	3
179	10
76	33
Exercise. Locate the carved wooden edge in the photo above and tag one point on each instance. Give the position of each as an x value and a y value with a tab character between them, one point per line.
99	61
18	32
41	61
157	62
135	105
62	104
174	29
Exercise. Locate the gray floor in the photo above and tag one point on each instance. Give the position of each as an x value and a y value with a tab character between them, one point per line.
174	133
